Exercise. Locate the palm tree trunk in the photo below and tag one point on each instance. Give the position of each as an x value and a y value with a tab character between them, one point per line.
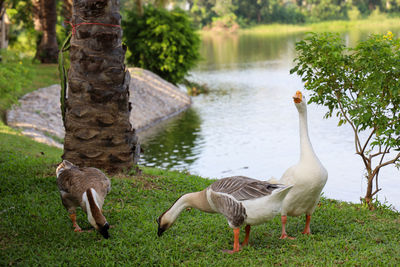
67	9
45	18
98	131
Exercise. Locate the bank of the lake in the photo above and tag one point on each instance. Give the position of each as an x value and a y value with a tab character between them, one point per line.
377	21
35	228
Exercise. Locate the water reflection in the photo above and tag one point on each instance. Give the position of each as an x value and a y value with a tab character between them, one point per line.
171	144
231	51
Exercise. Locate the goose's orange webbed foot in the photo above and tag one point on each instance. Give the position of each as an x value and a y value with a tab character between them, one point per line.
236	246
72	216
285	235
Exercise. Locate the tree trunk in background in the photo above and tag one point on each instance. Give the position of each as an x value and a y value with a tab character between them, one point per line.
45	19
161	3
4	24
98	131
139	7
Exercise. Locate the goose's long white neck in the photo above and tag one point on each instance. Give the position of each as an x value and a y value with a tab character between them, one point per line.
176	209
196	200
306	150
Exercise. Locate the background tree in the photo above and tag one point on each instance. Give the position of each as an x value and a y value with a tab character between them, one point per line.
202	12
4	24
45	19
98	131
225	10
362	87
251	11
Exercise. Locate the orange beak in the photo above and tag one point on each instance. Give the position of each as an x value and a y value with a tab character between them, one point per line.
298	97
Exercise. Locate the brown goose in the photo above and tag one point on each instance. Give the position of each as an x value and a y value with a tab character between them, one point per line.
242	200
87	188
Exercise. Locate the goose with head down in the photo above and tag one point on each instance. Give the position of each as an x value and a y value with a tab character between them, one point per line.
242	200
85	188
308	176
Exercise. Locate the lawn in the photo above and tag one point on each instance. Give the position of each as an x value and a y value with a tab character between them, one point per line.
19	75
35	228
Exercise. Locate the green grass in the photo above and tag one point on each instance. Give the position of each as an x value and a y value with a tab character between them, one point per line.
35	228
19	76
376	22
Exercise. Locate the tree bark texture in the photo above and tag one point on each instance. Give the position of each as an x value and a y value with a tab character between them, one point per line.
67	9
4	26
98	131
368	193
45	19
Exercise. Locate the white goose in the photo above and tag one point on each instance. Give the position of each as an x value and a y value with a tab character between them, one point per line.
308	176
242	200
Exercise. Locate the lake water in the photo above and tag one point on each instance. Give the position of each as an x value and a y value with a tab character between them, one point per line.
248	124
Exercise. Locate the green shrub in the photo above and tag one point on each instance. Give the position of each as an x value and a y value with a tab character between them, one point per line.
162	41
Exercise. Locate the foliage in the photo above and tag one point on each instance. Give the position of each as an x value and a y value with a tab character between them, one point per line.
15	73
202	12
22	36
20	75
162	41
288	13
252	12
354	13
35	228
361	86
328	10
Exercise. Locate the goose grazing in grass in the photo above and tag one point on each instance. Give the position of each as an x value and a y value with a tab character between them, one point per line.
87	188
242	200
308	176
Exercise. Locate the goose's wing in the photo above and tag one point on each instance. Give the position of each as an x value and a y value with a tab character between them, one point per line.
243	188
67	179
68	182
233	210
97	179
